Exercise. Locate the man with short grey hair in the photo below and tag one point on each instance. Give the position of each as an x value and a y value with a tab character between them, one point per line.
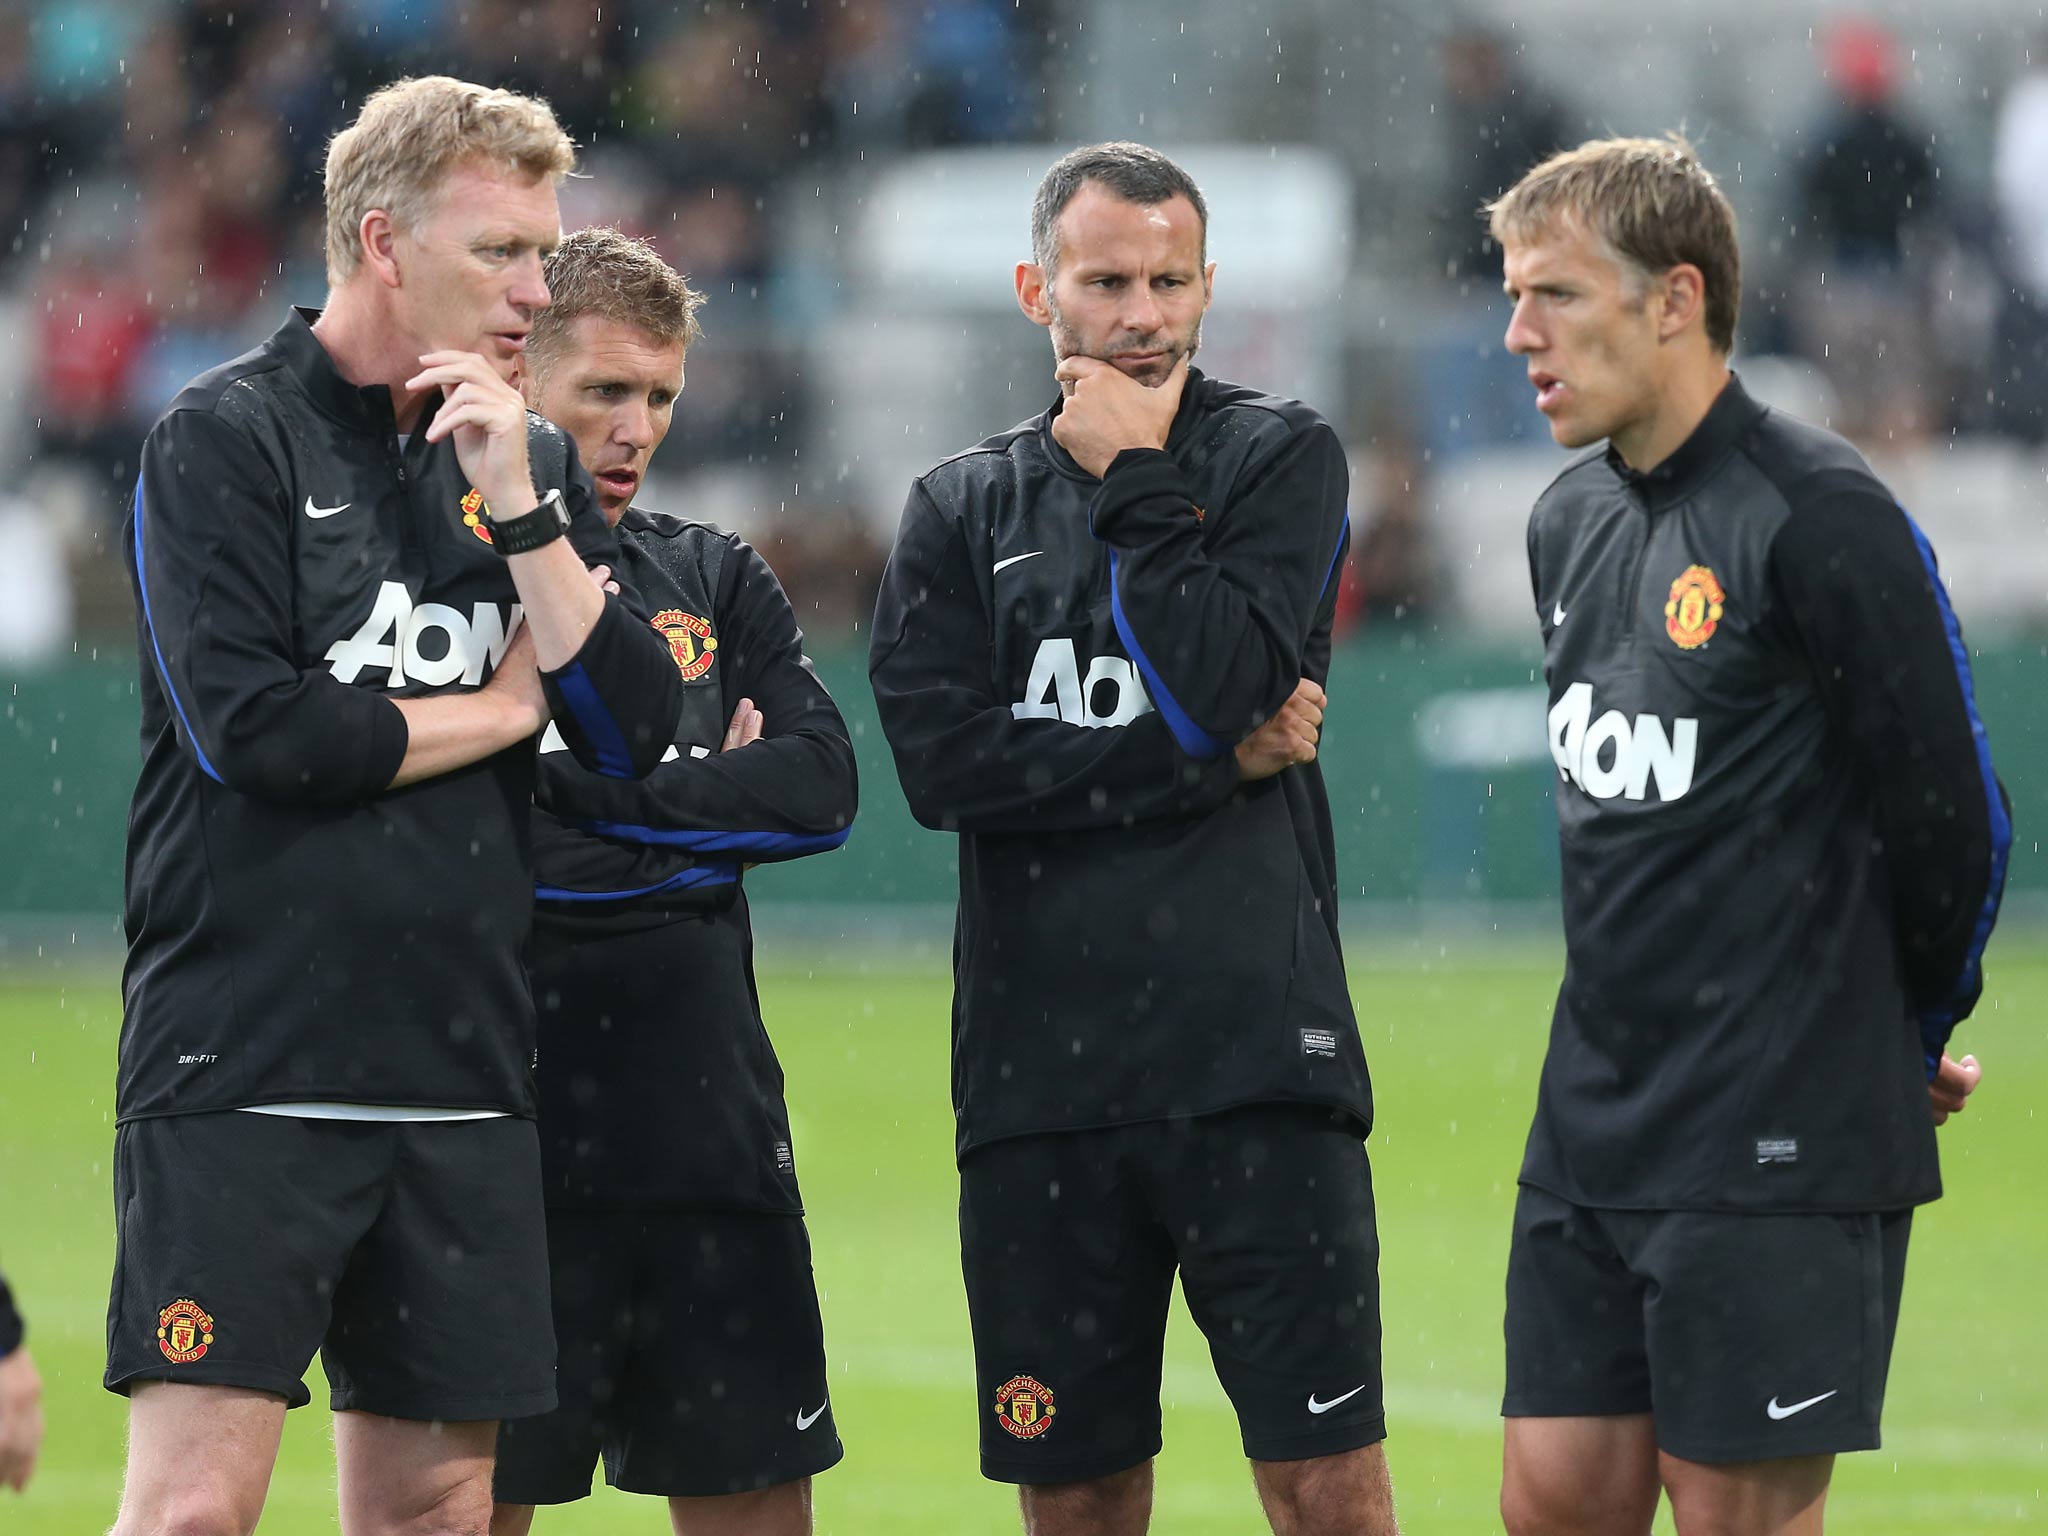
1099	655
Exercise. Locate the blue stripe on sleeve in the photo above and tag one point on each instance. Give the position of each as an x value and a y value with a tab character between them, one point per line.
1936	1026
1193	740
614	760
1336	555
164	672
686	880
783	844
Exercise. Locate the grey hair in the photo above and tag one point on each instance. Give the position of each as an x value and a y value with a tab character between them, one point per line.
1129	171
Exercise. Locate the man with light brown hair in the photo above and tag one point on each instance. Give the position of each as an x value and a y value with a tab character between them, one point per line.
1783	849
356	608
691	1345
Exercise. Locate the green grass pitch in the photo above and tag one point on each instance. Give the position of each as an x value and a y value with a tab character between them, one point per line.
1454	1041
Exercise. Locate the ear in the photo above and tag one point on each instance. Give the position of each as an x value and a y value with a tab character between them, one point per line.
377	239
1208	286
1031	293
1681	300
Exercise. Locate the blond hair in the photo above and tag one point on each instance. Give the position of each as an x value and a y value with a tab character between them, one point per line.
1650	201
602	272
410	135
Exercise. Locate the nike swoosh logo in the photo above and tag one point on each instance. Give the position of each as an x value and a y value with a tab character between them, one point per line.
1001	564
1557	616
805	1420
1316	1407
1789	1409
313	511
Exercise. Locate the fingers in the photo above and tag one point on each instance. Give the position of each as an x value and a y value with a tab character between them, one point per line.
442	369
1309	689
1073	369
601	578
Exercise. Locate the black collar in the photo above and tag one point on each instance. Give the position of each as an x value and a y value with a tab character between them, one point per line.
1733	412
1063	461
366	407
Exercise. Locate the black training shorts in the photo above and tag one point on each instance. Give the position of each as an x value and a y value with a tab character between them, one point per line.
411	1255
1749	1336
1070	1241
692	1359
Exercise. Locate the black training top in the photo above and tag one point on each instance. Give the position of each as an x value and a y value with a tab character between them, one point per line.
11	1328
297	930
1783	841
1063	666
658	1085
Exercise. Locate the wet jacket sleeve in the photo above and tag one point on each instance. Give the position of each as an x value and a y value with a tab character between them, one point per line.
791	793
616	700
1858	581
11	1328
967	764
1216	617
209	549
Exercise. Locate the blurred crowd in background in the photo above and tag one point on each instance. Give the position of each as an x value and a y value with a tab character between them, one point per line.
160	205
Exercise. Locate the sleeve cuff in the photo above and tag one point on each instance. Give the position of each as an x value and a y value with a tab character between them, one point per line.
389	738
1138	482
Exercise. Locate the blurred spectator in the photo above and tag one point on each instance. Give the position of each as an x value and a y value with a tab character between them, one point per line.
1497	124
1866	179
1391	578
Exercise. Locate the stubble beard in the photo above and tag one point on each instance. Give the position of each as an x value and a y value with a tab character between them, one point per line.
1066	343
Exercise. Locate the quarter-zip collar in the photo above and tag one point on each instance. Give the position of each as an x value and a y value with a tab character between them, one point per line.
1733	412
365	407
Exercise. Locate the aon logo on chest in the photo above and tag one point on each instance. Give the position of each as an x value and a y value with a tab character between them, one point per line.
393	639
1611	756
1111	693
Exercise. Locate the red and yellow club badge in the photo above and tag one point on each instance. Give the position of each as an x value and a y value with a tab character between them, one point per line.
1024	1407
1694	608
689	639
183	1331
473	514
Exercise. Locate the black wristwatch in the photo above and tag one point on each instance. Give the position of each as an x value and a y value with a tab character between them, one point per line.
527	532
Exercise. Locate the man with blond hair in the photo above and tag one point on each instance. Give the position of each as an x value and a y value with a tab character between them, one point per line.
692	1350
356	608
1783	852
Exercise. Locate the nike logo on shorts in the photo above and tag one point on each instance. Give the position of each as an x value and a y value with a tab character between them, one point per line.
1002	564
318	512
1316	1407
805	1420
1557	615
1789	1409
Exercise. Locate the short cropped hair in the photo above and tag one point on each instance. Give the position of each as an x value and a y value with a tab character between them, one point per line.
411	134
1650	201
1132	172
601	272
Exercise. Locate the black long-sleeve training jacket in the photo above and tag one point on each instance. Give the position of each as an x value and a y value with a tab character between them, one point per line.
297	930
1783	841
659	1087
12	1330
1063	666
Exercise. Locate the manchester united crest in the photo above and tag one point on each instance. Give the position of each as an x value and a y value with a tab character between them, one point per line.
473	514
689	639
183	1331
1694	608
1024	1407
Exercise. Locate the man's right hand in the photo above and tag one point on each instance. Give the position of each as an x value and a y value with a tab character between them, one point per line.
1954	1082
745	728
21	1418
1288	738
